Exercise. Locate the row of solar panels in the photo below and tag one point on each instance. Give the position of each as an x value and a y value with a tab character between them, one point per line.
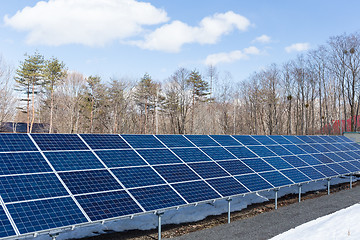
54	180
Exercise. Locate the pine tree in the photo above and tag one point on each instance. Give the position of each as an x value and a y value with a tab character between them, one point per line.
54	72
29	77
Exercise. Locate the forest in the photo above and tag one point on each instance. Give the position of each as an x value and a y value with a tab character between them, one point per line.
307	95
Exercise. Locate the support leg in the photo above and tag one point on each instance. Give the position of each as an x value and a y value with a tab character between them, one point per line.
159	214
328	186
53	235
351	181
229	209
299	192
276	198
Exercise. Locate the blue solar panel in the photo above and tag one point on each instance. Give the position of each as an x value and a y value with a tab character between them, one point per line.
241	152
350	146
50	142
246	140
27	187
320	148
254	182
279	150
45	214
5	226
280	139
294	149
322	158
89	181
173	141
309	160
143	141
308	148
331	147
353	154
338	168
294	139
208	170
334	157
278	163
191	155
257	164
159	156
77	160
225	140
16	142
138	176
120	158
108	205
345	156
196	191
218	153
265	140
317	139
158	197
227	186
295	161
201	140
104	141
235	167
340	146
176	173
306	139
276	178
311	173
261	151
18	163
328	172
349	166
295	175
356	164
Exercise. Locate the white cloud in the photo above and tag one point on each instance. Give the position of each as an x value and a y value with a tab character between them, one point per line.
228	57
262	39
297	47
88	22
171	37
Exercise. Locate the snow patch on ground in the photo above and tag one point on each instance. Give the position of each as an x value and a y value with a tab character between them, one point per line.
343	224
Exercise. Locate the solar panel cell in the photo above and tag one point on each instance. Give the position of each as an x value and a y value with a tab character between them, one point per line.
196	191
159	156
225	140
312	173
105	141
120	158
142	141
254	182
6	229
138	176
257	164
218	153
241	152
16	142
191	155
202	140
208	170
227	186
173	141
73	160
235	167
246	140
50	142
295	175
276	178
176	173
277	163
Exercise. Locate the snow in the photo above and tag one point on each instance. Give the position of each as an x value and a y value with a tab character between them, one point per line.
343	224
196	213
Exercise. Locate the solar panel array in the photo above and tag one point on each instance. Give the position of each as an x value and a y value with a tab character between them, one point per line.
51	181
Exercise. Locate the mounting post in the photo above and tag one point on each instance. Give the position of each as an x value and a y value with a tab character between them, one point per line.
159	214
328	186
276	198
53	235
299	192
351	180
229	209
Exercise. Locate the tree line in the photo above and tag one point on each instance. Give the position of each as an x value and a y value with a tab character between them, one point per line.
307	95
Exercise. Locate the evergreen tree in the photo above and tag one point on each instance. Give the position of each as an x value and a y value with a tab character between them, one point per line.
29	77
54	73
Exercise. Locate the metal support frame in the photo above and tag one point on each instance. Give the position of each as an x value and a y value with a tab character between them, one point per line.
229	208
276	198
328	186
351	181
299	192
159	214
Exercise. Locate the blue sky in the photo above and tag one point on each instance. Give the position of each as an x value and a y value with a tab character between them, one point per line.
128	38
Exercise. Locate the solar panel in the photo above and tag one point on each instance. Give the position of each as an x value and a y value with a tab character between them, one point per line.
80	182
104	141
51	142
16	143
57	180
108	205
196	191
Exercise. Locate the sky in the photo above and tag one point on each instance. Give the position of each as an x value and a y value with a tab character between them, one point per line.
128	38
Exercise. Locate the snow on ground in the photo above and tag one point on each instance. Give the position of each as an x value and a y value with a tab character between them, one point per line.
189	214
343	224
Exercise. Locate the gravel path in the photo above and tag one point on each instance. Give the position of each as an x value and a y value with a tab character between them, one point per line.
270	224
